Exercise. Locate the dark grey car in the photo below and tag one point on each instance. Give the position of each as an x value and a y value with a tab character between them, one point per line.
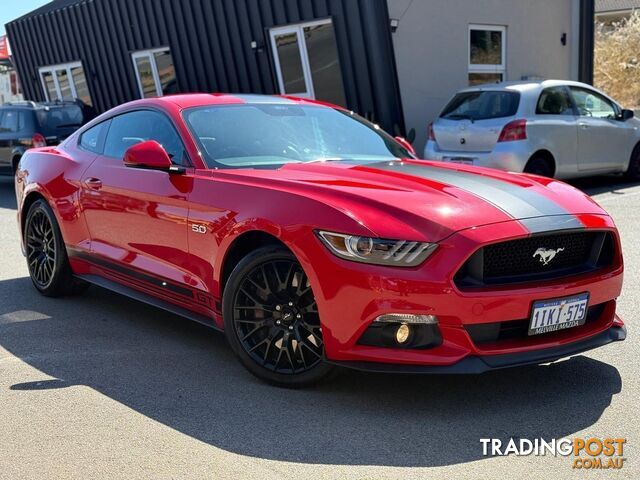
25	125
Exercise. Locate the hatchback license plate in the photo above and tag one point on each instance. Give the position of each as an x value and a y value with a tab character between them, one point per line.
558	314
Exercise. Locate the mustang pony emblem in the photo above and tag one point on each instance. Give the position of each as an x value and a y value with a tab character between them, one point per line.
547	254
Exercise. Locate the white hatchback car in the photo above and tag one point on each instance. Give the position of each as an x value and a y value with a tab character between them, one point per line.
553	128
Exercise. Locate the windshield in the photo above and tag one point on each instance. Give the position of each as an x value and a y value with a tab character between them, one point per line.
268	135
482	105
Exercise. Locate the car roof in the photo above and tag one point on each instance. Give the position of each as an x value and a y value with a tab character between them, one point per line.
183	101
189	100
524	85
28	105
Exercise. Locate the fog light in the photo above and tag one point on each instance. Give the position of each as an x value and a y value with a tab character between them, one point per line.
402	333
407	318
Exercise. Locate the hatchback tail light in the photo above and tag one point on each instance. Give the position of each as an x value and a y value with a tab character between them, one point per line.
38	141
515	130
432	135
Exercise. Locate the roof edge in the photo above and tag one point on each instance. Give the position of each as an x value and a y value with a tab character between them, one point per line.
52	6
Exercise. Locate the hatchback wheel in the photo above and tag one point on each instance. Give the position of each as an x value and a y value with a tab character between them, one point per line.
271	319
539	166
46	253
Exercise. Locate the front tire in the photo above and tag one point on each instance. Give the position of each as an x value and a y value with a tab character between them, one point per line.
633	172
47	255
271	319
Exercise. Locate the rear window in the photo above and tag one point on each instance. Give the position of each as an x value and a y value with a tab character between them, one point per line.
56	118
9	121
482	105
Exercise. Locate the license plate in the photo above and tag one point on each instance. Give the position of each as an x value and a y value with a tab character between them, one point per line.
465	160
558	314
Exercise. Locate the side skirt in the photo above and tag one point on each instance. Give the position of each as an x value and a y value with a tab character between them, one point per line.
148	299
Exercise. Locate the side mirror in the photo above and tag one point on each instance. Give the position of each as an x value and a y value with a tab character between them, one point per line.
405	143
626	115
149	154
411	136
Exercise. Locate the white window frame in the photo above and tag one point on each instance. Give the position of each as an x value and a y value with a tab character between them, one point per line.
150	54
53	69
297	28
483	68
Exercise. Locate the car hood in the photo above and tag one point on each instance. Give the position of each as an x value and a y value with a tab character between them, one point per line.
432	200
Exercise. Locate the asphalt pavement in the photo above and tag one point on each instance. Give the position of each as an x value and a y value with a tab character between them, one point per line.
100	386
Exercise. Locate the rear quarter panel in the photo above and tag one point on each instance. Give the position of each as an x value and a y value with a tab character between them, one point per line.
55	174
557	134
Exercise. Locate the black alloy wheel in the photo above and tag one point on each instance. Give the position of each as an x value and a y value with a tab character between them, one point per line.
46	253
272	321
41	249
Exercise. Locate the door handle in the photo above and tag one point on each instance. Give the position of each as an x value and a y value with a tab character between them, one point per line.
583	125
93	183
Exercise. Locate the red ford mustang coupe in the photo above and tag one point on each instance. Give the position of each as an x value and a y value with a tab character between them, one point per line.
314	239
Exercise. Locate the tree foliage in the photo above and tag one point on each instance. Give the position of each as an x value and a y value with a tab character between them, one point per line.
616	65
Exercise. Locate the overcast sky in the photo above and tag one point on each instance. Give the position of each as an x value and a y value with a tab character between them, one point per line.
12	9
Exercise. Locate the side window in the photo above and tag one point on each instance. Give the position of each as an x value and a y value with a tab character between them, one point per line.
131	128
554	101
93	139
592	104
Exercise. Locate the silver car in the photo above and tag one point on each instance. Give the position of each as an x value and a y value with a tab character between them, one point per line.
553	128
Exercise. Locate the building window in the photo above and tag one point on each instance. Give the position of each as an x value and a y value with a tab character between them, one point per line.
306	61
487	54
65	82
155	72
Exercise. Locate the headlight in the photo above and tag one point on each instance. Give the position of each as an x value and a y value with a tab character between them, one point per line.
397	253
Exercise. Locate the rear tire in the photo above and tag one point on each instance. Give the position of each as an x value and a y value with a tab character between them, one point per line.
14	164
539	165
47	255
271	319
633	172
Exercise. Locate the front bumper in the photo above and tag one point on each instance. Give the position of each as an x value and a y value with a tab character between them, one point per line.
507	156
476	364
351	295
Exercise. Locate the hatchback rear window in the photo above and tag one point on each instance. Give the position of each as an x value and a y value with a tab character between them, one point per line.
9	121
53	118
482	105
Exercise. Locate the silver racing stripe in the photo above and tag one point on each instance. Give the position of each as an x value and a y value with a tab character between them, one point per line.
520	203
551	223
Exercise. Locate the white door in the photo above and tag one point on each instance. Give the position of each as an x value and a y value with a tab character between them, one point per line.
604	140
292	61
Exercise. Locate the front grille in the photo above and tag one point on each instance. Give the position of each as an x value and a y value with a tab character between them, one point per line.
518	329
523	260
